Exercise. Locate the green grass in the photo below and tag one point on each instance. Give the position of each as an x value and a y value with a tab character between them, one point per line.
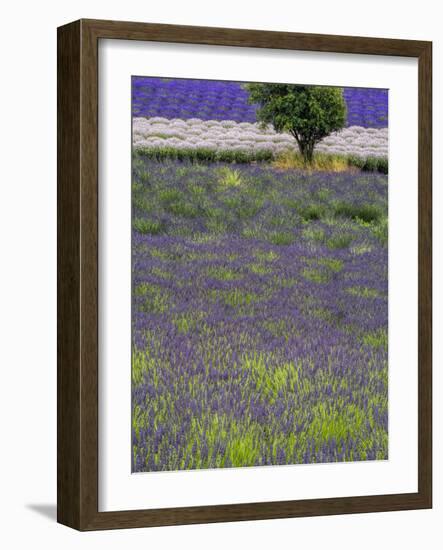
312	212
341	240
281	238
223	274
333	264
380	231
321	162
184	209
147	227
322	194
363	291
277	327
288	160
329	423
270	382
204	155
269	256
157	271
229	177
154	298
376	339
366	212
315	234
169	196
185	322
315	275
361	249
259	269
331	163
175	202
235	297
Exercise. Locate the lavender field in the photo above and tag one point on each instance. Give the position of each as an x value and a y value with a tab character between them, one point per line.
223	100
259	315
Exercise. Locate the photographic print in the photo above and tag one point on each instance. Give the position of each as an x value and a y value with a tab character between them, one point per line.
259	274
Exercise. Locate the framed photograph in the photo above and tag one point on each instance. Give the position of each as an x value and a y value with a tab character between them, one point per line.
244	275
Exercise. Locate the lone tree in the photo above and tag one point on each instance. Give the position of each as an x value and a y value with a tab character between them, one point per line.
309	113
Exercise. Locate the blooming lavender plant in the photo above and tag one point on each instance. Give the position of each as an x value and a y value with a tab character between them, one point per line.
354	140
259	325
206	99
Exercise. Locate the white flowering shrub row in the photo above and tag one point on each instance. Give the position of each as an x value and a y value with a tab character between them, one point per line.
229	135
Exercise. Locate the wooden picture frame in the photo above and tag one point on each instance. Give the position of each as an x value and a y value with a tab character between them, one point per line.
77	451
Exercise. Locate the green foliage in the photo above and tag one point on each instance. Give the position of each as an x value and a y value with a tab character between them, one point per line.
223	273
320	270
281	238
174	202
168	196
330	423
184	209
248	208
322	194
215	220
142	365
312	212
146	226
203	154
309	113
366	212
186	322
359	249
333	264
369	164
270	382
376	339
235	297
383	165
154	298
363	291
316	234
259	269
163	274
266	256
355	160
322	162
380	231
229	177
315	275
341	240
287	160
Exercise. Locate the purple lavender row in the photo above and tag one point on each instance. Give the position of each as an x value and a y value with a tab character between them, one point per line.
220	100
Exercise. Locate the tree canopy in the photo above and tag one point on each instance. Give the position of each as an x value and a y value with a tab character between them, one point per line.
309	113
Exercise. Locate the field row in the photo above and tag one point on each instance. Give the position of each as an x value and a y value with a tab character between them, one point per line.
228	135
221	100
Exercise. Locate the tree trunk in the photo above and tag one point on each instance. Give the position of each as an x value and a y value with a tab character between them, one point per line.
307	151
306	148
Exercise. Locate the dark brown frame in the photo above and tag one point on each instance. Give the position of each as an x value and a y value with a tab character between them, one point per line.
77	321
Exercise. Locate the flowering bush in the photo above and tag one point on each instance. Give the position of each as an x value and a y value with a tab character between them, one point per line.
358	141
